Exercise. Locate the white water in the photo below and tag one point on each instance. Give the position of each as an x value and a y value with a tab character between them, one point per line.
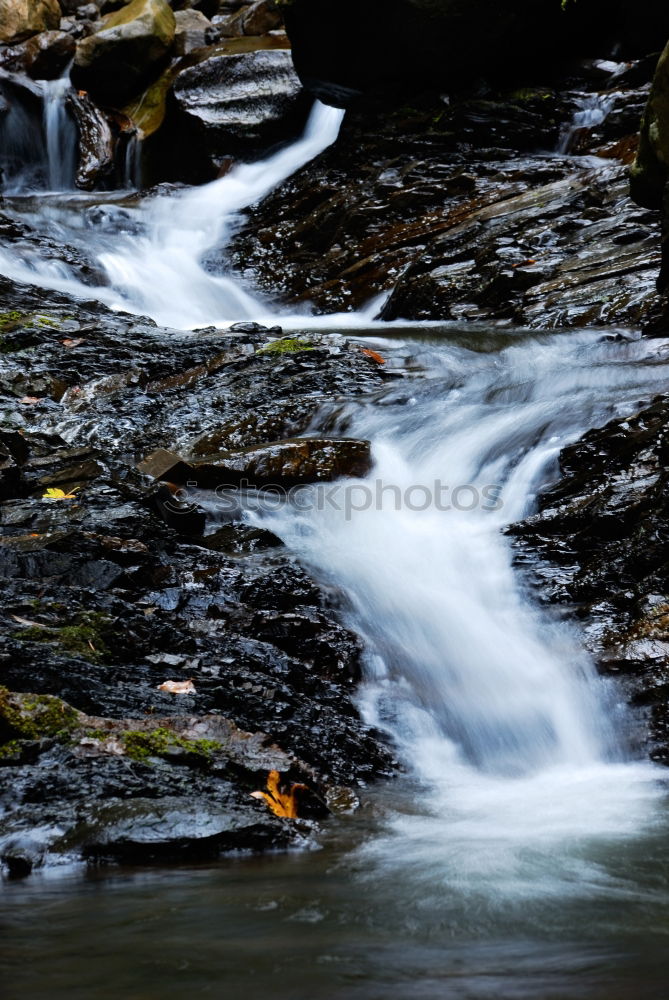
60	134
521	749
155	264
592	110
497	710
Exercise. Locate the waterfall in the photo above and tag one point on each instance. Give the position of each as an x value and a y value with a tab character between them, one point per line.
495	707
60	134
158	269
38	137
591	111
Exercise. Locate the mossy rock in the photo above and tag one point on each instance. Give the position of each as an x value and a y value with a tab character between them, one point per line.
650	171
84	637
142	745
33	717
287	345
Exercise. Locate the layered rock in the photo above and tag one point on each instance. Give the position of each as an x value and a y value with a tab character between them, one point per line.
236	103
600	545
455	207
114	587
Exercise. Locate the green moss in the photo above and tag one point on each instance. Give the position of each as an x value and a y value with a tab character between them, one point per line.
10	320
287	345
84	637
141	744
32	717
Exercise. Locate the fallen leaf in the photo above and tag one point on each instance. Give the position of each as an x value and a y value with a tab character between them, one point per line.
374	356
281	803
56	494
70	342
178	687
28	622
30	400
525	263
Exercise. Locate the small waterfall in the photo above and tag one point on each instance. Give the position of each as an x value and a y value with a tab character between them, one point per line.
130	145
591	111
60	135
38	137
158	268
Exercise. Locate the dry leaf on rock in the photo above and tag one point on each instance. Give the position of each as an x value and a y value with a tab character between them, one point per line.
178	687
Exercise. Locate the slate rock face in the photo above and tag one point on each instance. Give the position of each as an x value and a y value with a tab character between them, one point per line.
238	103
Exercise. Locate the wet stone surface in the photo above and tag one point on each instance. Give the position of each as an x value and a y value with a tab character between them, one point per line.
113	587
461	208
600	546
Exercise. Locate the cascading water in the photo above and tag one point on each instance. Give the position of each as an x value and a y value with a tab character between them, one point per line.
497	709
60	134
38	136
153	253
591	111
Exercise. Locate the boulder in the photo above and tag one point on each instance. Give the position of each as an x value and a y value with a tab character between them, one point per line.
258	19
126	51
193	31
21	18
43	57
649	175
239	103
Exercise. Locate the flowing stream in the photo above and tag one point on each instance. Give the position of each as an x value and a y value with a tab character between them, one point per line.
521	854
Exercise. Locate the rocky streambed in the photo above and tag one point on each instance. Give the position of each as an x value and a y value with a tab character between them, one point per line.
173	683
114	587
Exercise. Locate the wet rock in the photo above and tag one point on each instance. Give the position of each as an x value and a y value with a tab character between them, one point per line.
454	209
193	31
21	18
284	463
43	57
97	146
603	533
106	597
125	51
239	104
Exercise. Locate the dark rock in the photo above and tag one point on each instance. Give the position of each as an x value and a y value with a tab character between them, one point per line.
97	146
604	531
43	57
125	51
240	103
436	204
347	47
106	597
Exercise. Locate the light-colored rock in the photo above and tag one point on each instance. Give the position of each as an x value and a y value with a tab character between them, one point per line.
192	31
21	18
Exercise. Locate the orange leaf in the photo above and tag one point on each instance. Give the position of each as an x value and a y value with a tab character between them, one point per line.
374	356
69	342
29	400
177	687
281	803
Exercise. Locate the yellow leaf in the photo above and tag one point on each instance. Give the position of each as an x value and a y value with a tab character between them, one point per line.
55	494
281	803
